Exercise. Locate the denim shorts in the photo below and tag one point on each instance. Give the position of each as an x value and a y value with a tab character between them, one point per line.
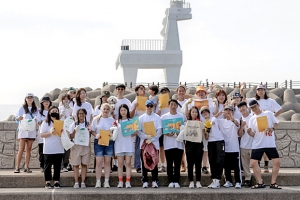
100	150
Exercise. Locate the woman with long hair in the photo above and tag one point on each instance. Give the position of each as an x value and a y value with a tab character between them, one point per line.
81	151
53	148
42	115
28	110
103	153
81	103
124	148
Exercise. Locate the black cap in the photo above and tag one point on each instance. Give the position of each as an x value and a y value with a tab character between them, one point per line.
121	86
242	103
164	89
253	103
175	101
236	94
45	99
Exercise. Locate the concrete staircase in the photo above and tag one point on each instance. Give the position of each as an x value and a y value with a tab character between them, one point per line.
31	186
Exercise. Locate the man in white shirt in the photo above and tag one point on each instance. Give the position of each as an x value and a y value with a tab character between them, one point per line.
263	142
245	142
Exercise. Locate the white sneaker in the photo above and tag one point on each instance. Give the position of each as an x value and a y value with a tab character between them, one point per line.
120	184
198	184
76	186
171	185
154	184
127	184
106	184
238	185
145	185
98	184
64	170
83	185
216	184
191	184
228	184
176	185
212	183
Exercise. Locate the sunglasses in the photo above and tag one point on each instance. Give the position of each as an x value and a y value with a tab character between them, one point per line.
149	106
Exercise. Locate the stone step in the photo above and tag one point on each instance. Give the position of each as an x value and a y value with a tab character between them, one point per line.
67	193
286	177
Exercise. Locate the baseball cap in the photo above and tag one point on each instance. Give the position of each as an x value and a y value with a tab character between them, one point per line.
253	103
45	99
71	89
204	108
260	86
201	88
175	101
149	102
105	93
29	95
236	94
164	89
228	107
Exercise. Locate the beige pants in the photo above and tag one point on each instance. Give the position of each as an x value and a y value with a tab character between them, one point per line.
246	155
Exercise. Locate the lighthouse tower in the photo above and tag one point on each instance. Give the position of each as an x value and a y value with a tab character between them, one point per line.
157	54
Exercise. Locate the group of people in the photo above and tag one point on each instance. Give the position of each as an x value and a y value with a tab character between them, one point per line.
234	137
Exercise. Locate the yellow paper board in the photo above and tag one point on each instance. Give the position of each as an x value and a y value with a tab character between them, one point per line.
104	137
149	128
58	125
200	104
141	103
163	100
262	123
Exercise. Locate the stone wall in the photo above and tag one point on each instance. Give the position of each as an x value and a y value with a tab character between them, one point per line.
287	140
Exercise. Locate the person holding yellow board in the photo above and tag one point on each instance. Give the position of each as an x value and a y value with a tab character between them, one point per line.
263	142
150	133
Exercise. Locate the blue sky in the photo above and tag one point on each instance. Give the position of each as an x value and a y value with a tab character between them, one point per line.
56	44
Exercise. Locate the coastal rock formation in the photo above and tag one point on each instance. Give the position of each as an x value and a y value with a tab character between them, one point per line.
285	97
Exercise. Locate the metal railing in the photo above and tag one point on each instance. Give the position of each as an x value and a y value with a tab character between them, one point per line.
143	44
185	4
287	84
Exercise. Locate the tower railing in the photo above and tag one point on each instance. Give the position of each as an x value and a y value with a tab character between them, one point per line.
134	44
185	4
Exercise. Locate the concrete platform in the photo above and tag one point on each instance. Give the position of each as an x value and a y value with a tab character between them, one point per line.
8	179
162	193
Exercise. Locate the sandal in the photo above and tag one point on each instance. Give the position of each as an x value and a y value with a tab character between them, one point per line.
17	170
27	170
259	186
275	186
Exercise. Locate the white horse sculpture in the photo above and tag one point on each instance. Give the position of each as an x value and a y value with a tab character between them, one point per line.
157	54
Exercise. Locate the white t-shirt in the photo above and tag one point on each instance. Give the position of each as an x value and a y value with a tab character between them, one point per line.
71	104
41	118
230	134
246	139
171	142
22	133
52	144
163	110
124	144
154	99
267	104
221	109
103	124
97	111
215	133
87	106
260	139
137	112
179	108
120	102
237	114
67	112
157	124
72	127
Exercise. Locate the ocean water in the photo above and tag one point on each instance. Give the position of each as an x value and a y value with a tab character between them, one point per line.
8	109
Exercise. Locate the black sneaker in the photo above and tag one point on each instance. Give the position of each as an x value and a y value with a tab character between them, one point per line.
114	168
247	183
204	170
48	186
56	185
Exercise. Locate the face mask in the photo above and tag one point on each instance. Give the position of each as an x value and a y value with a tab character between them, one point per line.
55	115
